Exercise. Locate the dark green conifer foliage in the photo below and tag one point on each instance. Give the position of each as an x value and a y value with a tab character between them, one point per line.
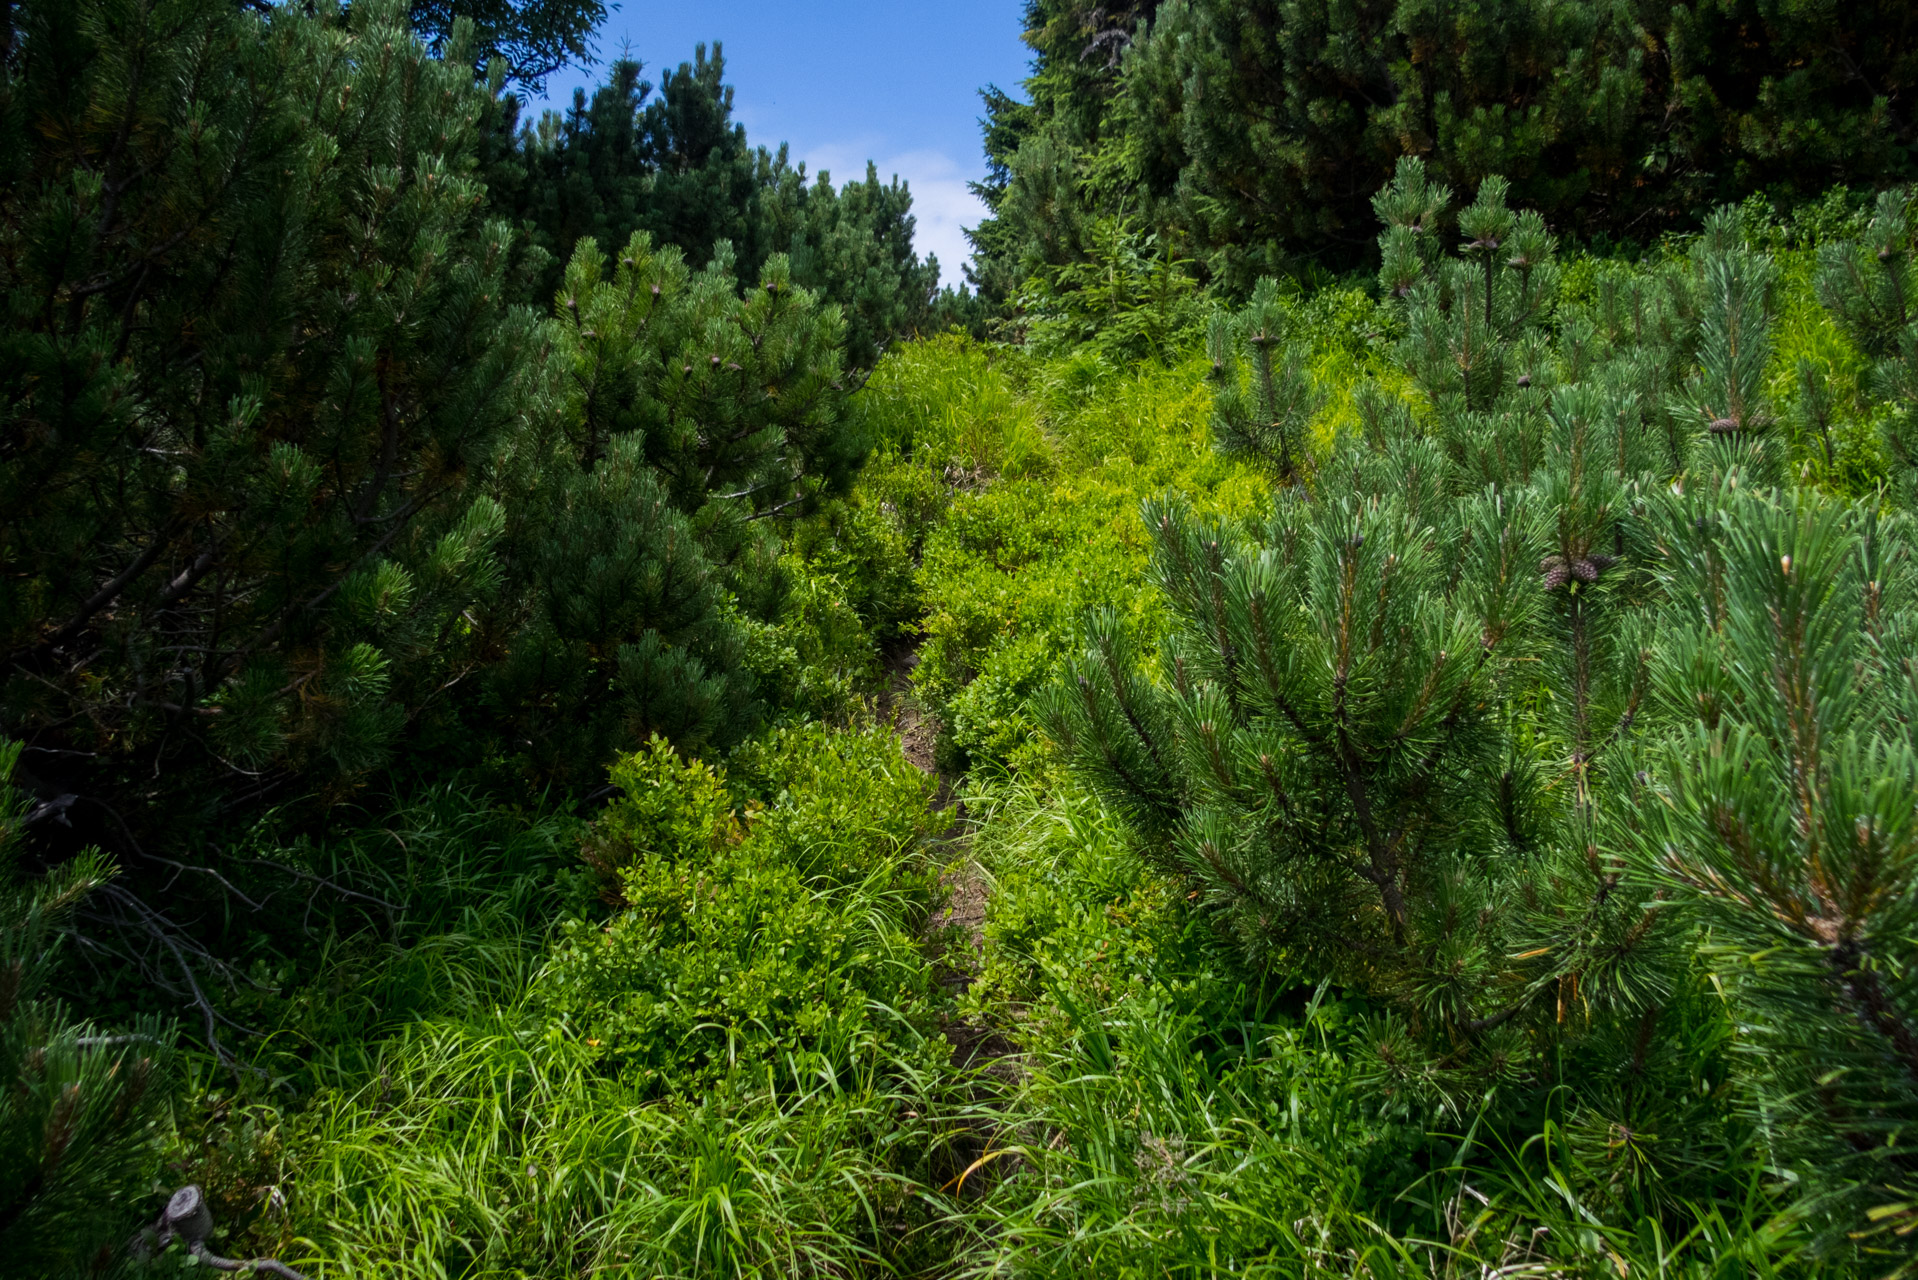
1467	313
267	378
1266	410
1868	287
1043	199
1780	811
703	169
1385	727
534	38
79	1107
1727	394
688	419
676	165
1536	699
259	349
1258	132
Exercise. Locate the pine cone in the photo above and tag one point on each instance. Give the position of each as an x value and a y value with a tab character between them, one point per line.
1557	570
1588	569
1725	426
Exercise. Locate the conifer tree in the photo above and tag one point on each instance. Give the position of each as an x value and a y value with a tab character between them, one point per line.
533	38
1387	727
79	1107
259	354
689	419
1779	810
1728	392
1256	134
675	164
1464	312
1267	411
1497	726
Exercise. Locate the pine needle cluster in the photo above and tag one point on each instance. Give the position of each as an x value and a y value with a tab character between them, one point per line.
1536	698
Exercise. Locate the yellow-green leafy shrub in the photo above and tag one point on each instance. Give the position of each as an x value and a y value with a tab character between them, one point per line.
949	404
1011	567
764	938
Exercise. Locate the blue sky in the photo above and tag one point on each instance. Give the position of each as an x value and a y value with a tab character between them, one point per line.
848	81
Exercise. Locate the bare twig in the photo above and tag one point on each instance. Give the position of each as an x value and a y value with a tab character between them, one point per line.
392	909
168	935
225	883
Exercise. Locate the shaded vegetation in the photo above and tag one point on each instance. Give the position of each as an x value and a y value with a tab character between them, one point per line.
552	727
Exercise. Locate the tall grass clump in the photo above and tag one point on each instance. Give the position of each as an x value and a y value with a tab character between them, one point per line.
737	1072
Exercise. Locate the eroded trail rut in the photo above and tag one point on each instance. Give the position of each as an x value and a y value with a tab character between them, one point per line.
955	933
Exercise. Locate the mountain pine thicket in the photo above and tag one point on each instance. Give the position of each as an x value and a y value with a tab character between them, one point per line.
1257	133
676	166
1406	559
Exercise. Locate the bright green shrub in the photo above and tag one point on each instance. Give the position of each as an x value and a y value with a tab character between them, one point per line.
733	961
915	497
736	1075
838	805
668	808
947	404
1073	904
1010	568
1170	1118
865	549
851	593
834	658
776	938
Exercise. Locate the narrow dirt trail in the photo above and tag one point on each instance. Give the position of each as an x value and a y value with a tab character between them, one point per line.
955	933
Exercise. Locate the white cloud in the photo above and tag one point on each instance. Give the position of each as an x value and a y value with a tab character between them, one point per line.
941	205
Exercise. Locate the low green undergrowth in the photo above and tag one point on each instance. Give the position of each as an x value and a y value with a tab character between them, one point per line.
1175	1115
715	1030
1032	473
737	1072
